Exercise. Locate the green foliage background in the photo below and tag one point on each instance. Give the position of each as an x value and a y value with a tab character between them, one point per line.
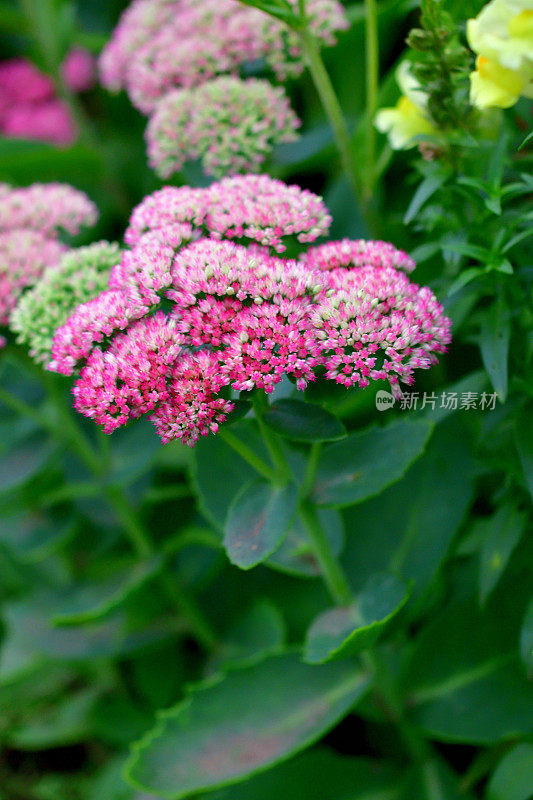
421	689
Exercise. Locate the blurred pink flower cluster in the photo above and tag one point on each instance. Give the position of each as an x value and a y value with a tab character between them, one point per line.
29	105
203	305
30	222
162	49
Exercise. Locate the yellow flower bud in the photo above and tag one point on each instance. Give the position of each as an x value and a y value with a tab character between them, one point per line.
492	85
408	118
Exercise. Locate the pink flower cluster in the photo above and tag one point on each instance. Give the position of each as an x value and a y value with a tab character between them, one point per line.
201	307
29	106
256	208
30	221
230	124
350	253
161	45
180	59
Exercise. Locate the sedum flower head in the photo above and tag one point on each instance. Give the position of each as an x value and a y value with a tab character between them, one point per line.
192	408
30	221
377	325
189	315
230	124
46	207
250	207
78	70
29	106
502	37
409	118
80	275
161	45
130	377
24	255
349	253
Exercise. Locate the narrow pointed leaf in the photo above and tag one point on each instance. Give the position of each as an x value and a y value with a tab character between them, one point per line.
500	535
494	345
258	520
346	631
524	443
526	638
243	724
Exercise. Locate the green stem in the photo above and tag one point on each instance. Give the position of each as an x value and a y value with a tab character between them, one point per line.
311	469
198	624
329	100
341	594
332	572
67	430
415	745
129	520
247	454
271	440
372	91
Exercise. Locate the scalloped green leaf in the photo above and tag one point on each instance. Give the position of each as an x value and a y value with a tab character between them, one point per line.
259	632
231	728
368	461
304	422
258	520
216	495
95	601
24	461
348	630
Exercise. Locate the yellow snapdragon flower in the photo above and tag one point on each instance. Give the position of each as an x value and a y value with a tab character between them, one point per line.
408	118
502	37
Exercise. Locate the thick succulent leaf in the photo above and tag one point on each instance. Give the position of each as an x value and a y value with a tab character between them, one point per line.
466	658
348	630
409	528
243	724
94	601
216	495
33	535
259	632
258	520
304	422
23	461
57	724
295	554
31	638
317	775
513	777
366	462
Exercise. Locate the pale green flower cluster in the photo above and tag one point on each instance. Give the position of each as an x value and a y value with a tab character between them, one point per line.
80	275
